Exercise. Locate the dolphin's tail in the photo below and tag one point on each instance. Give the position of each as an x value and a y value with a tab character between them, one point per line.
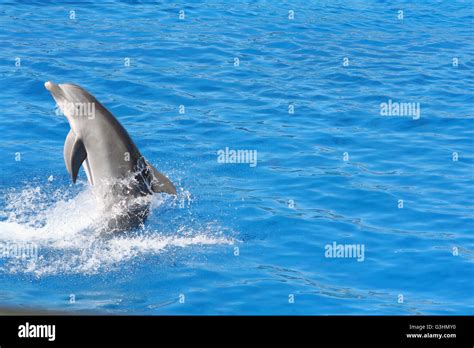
158	183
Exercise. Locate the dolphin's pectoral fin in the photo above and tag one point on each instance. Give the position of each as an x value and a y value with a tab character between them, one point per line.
74	154
160	183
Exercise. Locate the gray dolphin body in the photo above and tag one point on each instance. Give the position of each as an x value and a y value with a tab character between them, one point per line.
110	158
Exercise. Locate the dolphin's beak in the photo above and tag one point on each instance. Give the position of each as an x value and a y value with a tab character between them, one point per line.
48	85
56	92
53	88
58	95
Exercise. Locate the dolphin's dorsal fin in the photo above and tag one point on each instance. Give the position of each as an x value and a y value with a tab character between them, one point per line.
160	183
74	154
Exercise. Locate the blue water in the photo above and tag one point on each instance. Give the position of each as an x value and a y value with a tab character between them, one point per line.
244	239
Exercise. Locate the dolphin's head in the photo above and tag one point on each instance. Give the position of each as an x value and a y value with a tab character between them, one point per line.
74	101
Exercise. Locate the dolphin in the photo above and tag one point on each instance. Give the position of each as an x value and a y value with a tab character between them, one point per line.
112	162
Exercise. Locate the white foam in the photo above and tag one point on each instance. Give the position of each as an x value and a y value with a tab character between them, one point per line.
65	232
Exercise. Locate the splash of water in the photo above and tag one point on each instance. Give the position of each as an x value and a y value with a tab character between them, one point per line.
61	233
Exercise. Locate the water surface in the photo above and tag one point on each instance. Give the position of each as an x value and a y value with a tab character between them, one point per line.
243	238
